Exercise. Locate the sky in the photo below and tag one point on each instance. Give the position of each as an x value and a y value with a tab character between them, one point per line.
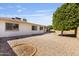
39	13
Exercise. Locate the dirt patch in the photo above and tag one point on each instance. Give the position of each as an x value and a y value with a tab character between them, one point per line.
24	49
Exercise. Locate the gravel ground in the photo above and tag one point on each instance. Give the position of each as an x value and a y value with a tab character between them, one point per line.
51	44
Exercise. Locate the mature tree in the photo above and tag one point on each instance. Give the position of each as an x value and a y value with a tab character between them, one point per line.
66	17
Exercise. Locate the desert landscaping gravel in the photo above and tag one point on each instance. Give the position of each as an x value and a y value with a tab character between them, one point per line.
51	44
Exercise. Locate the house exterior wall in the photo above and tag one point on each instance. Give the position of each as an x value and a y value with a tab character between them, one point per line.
24	29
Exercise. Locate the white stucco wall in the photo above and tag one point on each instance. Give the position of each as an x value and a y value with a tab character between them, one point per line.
24	29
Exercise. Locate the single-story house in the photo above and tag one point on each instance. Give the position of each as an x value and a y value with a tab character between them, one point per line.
16	26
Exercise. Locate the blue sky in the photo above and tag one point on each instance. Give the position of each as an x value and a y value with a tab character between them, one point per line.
39	13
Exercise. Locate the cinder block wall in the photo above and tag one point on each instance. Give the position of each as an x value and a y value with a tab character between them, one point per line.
78	32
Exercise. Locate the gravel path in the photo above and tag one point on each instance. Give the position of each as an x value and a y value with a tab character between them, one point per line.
50	44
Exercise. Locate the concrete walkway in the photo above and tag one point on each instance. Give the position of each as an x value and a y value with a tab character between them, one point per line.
51	44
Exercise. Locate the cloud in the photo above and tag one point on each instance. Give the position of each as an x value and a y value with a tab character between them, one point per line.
50	10
36	15
19	10
23	8
18	6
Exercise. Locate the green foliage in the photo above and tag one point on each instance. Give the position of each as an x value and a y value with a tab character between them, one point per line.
50	26
66	17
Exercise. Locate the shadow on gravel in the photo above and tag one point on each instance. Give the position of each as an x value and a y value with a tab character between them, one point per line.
5	49
68	35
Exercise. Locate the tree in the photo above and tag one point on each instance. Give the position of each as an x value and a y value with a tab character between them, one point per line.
50	26
66	17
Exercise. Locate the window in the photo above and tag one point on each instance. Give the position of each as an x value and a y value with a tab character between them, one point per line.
41	28
12	26
34	27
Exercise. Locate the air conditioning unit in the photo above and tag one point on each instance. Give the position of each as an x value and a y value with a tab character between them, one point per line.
24	19
18	18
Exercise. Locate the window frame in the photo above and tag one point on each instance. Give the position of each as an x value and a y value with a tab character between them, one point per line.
34	28
41	27
11	27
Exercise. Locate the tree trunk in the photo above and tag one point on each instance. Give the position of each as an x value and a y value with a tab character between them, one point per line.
75	31
62	32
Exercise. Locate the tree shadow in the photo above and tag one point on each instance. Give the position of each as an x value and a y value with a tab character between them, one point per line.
68	35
